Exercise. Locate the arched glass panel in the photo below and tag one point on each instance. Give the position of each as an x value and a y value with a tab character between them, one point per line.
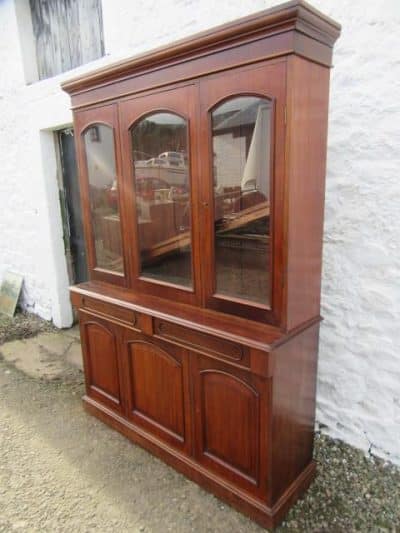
241	141
162	190
103	196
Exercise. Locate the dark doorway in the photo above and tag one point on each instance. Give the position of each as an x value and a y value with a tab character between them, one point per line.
71	208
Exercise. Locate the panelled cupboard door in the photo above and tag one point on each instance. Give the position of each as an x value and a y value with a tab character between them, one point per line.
159	147
242	168
156	377
99	161
103	370
231	417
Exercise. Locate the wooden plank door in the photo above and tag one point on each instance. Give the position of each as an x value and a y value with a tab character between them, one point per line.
71	207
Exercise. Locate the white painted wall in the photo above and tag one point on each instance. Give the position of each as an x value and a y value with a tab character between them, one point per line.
359	371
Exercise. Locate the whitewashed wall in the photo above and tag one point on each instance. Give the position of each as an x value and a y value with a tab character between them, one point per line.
359	371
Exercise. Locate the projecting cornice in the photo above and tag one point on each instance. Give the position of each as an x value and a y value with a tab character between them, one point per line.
308	33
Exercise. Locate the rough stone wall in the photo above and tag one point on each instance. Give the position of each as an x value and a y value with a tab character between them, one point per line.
359	365
359	372
22	199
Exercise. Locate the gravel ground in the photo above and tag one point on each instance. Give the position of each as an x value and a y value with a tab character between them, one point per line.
64	471
22	326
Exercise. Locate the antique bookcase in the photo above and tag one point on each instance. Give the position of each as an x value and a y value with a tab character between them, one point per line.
202	170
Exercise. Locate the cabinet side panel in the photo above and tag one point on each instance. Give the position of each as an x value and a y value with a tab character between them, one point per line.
293	406
308	95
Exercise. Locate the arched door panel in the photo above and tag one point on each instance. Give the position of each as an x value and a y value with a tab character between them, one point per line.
157	386
242	166
159	146
101	360
230	422
99	163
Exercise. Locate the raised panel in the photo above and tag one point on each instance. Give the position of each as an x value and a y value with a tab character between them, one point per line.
115	312
202	342
231	421
101	361
230	412
156	382
236	412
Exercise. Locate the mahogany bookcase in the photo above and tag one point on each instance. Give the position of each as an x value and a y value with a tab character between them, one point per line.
202	177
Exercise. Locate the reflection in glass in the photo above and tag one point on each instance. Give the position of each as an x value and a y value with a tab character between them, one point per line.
162	189
241	147
100	157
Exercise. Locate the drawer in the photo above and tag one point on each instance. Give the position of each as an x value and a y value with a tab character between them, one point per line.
127	316
201	342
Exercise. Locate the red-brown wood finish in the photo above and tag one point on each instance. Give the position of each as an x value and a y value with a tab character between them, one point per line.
179	101
101	360
220	388
292	28
293	408
207	344
307	109
158	388
231	423
268	81
107	115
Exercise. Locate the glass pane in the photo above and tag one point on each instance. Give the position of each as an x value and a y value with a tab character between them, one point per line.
162	187
241	129
100	156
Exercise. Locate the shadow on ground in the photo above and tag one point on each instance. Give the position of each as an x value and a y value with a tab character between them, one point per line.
62	470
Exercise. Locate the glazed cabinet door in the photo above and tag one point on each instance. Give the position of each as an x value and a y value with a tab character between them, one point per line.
98	151
103	370
159	138
231	417
242	169
156	377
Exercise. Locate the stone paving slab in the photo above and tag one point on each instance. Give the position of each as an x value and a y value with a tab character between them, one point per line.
74	354
72	332
64	471
48	355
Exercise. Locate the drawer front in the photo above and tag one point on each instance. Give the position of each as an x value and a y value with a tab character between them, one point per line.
127	316
202	342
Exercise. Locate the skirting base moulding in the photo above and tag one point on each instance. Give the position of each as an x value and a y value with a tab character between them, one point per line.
202	179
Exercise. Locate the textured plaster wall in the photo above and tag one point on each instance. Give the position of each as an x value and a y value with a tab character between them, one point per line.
359	370
359	366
